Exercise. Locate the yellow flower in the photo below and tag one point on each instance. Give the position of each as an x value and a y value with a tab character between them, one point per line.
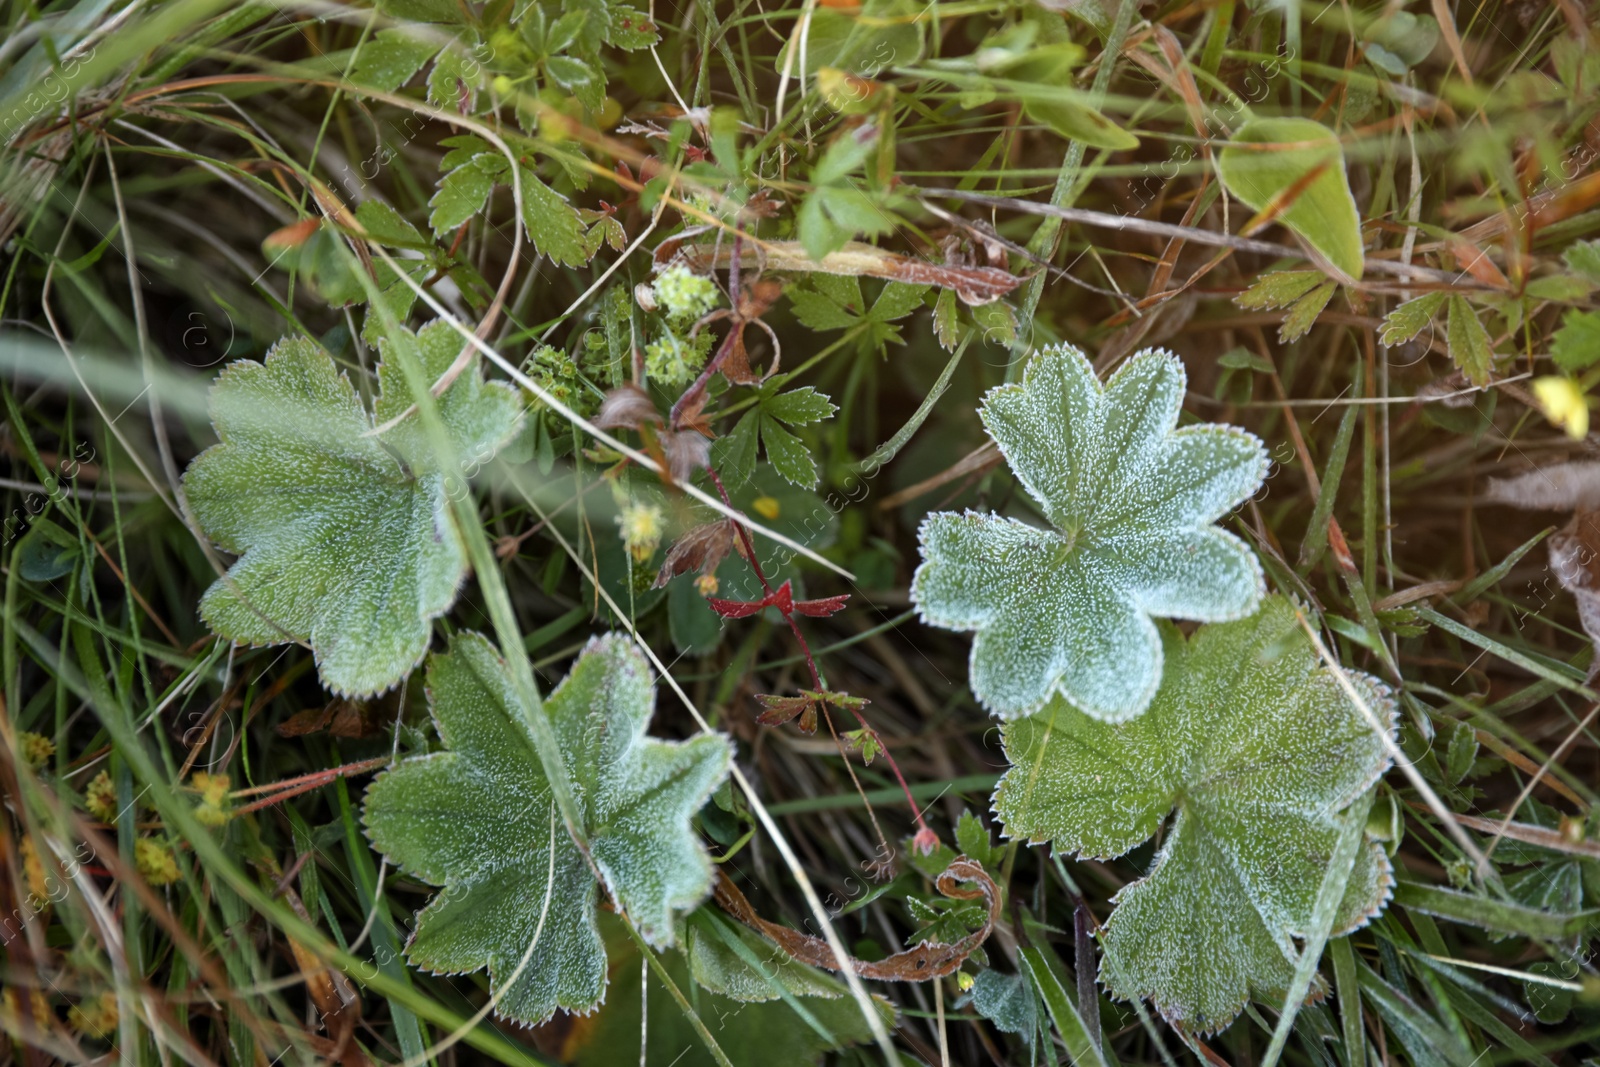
11	1011
707	585
36	748
33	872
1564	404
766	507
155	861
641	529
95	1017
213	807
100	797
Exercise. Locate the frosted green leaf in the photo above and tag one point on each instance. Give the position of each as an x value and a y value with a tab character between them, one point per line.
345	541
1006	1001
1303	315
733	960
462	194
479	819
1130	501
1468	341
1297	167
799	407
1278	289
386	226
1252	747
1407	320
390	59
1576	344
553	224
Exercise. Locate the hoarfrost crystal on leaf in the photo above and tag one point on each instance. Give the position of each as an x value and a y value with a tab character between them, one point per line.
1253	748
346	540
480	820
1130	500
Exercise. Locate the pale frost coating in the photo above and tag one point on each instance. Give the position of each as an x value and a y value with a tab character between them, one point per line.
1131	501
477	819
344	541
1257	748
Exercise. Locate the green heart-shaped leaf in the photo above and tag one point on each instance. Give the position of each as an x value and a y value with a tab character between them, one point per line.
1297	166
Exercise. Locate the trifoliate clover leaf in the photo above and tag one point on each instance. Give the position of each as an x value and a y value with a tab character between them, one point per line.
1131	501
480	820
1256	747
345	540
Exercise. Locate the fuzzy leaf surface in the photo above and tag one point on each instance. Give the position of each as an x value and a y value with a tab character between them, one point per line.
345	541
1130	500
1252	748
479	819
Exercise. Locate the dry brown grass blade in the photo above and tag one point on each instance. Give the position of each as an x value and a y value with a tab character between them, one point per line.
974	285
920	963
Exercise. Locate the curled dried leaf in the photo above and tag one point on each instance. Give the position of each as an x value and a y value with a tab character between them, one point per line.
735	366
964	879
686	451
701	548
782	709
627	407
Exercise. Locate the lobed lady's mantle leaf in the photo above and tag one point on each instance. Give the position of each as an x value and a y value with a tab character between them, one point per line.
1130	500
1257	748
345	540
480	820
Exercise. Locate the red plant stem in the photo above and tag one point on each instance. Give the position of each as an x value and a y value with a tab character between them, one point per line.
794	627
306	782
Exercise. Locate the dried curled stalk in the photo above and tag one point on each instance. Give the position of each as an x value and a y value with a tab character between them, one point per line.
929	959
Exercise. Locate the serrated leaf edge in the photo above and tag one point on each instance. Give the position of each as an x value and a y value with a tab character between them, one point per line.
597	642
241	367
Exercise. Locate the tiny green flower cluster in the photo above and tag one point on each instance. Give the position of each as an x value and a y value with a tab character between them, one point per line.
684	295
557	374
671	361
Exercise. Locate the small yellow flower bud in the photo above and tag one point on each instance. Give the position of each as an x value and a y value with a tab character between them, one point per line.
213	807
11	1008
100	797
155	861
95	1017
36	748
641	529
33	872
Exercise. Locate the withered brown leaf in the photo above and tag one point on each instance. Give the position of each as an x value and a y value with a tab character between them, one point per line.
701	548
929	959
